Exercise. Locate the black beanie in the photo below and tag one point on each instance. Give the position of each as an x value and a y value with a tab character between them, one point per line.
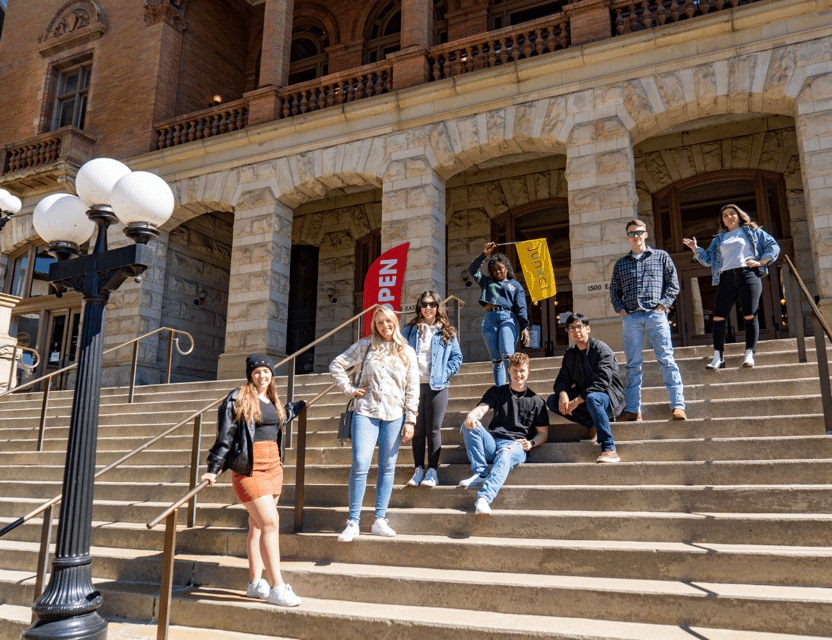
258	360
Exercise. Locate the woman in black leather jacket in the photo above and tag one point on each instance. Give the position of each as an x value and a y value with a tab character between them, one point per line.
248	435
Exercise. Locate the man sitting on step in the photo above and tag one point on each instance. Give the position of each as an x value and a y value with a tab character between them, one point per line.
520	422
588	389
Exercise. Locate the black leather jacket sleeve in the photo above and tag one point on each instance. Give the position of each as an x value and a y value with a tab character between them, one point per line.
221	455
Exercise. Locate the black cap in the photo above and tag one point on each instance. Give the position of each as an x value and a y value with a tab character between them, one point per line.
258	360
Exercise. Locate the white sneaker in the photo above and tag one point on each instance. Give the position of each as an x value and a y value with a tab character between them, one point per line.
482	508
350	533
416	480
284	596
749	359
259	589
475	480
431	480
381	528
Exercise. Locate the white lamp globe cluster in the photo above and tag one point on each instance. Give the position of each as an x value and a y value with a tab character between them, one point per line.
9	203
142	201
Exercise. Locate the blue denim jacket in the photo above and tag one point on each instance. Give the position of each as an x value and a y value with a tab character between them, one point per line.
762	246
445	358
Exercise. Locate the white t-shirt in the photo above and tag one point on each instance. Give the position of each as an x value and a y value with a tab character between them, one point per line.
423	355
735	249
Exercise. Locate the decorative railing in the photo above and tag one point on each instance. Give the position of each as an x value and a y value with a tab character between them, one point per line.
203	124
337	88
502	46
630	16
48	148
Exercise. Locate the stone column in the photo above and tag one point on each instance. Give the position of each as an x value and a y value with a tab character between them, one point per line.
258	291
7	342
813	121
600	173
277	43
411	63
470	19
413	210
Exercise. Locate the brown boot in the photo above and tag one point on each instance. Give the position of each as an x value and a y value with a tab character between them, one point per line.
628	416
678	414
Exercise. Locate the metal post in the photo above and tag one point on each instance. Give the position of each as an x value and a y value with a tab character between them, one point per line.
194	479
133	366
300	470
43	407
12	367
457	314
170	355
166	589
823	372
43	553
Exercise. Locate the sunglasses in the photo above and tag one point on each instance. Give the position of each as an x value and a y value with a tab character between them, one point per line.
639	233
576	328
429	305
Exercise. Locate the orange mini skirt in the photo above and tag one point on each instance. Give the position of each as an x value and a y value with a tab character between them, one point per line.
266	478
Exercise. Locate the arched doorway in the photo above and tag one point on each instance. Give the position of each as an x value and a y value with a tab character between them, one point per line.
691	208
547	219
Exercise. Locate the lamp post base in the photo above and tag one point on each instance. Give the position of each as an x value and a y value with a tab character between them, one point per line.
86	627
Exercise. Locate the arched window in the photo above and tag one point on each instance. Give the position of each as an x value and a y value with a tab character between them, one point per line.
507	13
383	29
309	59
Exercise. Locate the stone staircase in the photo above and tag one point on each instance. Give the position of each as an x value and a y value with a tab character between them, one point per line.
719	527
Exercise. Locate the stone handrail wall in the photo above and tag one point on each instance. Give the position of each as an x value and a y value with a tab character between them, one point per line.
500	47
66	143
202	124
630	16
337	88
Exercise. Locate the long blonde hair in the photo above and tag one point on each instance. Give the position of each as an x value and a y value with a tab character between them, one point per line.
247	406
399	343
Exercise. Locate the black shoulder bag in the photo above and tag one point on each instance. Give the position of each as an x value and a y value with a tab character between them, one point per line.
345	422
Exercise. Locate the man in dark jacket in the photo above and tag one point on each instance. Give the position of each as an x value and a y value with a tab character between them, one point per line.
588	389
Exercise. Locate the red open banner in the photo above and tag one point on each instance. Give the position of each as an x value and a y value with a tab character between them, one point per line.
383	283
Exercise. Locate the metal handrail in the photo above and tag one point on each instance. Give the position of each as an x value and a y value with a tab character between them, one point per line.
821	331
133	367
14	363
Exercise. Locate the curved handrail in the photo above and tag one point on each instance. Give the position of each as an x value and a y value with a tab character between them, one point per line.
29	367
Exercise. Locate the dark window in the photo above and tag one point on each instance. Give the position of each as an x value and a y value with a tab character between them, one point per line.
508	13
71	97
309	59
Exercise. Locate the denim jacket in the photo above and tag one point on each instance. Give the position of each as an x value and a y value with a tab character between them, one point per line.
762	246
445	359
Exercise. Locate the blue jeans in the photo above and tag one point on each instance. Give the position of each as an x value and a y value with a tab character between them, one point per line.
592	413
500	331
365	432
483	448
656	327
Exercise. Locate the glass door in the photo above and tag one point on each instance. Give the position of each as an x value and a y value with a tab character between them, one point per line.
62	344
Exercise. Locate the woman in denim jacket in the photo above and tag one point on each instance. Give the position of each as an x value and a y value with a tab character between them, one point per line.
505	309
437	352
738	256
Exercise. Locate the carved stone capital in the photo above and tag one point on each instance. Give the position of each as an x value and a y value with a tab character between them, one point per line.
169	11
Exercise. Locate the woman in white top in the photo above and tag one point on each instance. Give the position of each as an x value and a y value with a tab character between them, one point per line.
738	256
386	403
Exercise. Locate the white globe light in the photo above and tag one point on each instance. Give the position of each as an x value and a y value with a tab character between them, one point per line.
95	180
142	197
64	219
9	202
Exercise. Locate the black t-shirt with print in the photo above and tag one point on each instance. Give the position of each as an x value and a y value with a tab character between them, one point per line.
515	418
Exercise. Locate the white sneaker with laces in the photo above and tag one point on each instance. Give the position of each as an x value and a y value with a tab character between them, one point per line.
381	528
416	480
259	589
482	508
431	479
284	596
749	359
475	480
350	533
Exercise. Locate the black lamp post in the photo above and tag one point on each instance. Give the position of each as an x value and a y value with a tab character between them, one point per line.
142	201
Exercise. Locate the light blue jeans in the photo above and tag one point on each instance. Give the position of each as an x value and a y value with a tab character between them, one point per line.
365	433
500	332
657	329
483	448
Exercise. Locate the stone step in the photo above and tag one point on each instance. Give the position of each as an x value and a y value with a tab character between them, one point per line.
728	605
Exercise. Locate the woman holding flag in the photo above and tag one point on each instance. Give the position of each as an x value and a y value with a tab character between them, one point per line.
505	309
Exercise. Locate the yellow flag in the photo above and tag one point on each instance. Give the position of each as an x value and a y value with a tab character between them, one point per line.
537	267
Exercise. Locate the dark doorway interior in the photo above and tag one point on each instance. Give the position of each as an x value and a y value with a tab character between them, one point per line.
303	301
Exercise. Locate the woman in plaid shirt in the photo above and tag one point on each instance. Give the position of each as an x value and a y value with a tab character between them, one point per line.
386	404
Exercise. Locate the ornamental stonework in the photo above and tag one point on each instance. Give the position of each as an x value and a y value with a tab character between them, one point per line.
71	17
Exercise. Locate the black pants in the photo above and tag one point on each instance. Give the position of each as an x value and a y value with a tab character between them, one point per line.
432	405
745	284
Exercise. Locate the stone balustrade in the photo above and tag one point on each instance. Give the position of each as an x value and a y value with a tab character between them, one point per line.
43	159
500	47
337	88
202	124
630	16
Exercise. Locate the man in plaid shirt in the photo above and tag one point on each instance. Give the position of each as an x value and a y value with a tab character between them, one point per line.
643	287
